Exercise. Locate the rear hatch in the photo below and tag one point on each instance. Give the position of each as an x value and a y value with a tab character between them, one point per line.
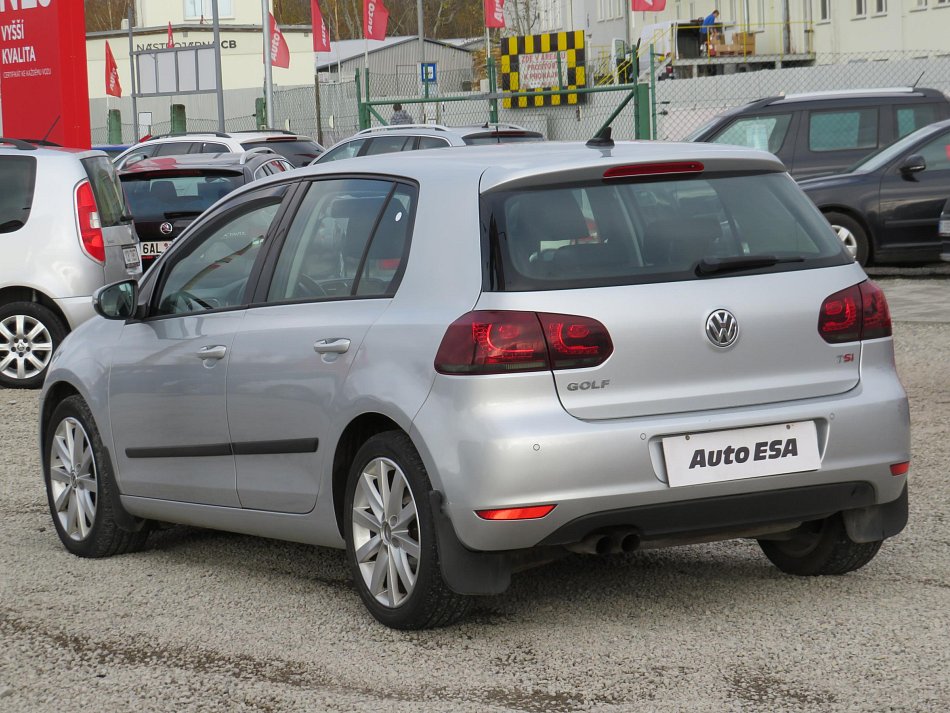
119	240
708	284
166	202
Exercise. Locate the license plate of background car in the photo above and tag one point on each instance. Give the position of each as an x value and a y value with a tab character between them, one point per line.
154	249
131	257
740	453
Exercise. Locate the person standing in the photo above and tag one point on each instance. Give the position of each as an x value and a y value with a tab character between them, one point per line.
708	29
400	116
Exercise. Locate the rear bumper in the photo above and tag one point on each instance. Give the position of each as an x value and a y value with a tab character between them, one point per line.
501	443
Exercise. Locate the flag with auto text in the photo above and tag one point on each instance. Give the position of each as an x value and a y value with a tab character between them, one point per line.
494	13
648	5
279	52
321	36
113	88
375	19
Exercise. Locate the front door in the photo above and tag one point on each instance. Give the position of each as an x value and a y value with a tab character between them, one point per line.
169	372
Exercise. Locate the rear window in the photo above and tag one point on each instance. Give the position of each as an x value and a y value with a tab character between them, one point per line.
298	152
592	235
503	137
18	178
170	196
766	133
107	190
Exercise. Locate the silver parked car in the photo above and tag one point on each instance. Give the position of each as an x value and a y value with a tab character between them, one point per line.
64	233
454	365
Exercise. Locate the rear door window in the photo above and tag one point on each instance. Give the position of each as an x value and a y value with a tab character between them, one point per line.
388	144
766	133
654	231
842	130
110	199
916	116
18	178
348	238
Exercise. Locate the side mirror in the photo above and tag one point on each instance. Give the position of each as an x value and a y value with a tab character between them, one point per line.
913	164
116	301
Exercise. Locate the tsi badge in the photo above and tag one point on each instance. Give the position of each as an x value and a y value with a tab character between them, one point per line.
588	385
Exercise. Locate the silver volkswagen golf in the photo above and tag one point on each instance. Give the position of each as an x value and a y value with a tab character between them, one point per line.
458	363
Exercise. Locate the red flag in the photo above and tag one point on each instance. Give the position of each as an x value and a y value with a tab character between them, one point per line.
494	13
648	5
375	19
321	36
171	37
279	52
113	88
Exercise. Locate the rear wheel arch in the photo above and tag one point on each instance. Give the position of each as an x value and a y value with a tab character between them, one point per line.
356	433
30	294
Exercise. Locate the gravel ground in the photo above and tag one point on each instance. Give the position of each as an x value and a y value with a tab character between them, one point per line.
206	621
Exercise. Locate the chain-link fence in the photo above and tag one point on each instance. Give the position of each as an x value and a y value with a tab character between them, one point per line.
460	98
684	105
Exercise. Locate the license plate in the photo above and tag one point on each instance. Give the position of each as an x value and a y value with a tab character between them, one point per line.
131	257
719	456
154	249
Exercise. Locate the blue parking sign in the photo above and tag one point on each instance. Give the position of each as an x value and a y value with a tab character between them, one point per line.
427	71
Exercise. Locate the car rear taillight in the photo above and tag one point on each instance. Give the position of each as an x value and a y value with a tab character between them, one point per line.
503	342
90	227
855	313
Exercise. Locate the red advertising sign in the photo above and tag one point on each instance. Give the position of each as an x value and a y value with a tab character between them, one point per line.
494	13
648	5
375	19
44	89
279	52
113	87
321	36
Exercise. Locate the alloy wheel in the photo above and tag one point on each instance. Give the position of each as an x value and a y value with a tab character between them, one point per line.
385	532
847	239
25	347
73	480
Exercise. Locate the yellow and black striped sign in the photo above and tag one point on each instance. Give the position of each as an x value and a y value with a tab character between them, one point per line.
537	63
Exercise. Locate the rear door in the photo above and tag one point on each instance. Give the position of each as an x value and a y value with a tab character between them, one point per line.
121	243
332	278
632	256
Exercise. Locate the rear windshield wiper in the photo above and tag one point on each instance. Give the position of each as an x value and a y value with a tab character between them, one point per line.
182	213
715	265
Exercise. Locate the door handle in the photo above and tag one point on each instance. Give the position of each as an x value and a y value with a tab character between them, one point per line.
337	345
213	352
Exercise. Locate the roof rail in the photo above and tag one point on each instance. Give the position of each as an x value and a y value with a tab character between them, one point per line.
219	134
265	131
18	143
831	94
394	127
249	153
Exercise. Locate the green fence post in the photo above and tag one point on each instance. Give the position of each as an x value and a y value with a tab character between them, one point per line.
260	112
652	93
114	124
367	97
359	99
178	119
493	89
641	118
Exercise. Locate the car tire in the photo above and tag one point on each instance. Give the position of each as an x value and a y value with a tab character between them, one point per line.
852	235
390	537
80	487
29	334
820	547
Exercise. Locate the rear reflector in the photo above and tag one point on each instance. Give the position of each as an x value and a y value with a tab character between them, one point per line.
900	468
654	169
855	313
503	342
532	513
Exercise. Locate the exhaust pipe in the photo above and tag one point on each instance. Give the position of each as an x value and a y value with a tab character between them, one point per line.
630	542
596	544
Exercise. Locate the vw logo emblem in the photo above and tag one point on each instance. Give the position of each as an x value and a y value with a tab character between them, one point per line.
166	228
722	328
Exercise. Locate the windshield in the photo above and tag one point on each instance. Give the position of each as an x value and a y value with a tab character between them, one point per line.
889	153
157	196
659	230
